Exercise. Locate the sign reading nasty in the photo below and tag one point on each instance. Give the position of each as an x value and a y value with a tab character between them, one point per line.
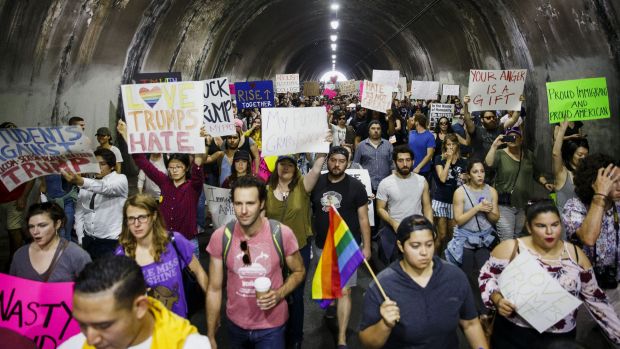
255	94
164	118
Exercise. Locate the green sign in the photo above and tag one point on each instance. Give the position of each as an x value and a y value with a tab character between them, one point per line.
572	100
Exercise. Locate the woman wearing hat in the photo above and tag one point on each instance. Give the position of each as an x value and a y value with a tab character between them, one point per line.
239	167
515	177
104	137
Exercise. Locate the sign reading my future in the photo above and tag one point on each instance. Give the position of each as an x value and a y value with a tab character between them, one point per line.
255	94
574	100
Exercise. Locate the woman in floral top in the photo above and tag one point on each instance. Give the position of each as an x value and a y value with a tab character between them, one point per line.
565	262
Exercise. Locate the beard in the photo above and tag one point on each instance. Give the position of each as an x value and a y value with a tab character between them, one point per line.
336	172
403	171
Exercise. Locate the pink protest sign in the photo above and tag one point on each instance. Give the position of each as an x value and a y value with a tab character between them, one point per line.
231	87
329	93
37	310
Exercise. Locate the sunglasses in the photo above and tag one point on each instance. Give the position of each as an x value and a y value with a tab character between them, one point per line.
246	252
443	123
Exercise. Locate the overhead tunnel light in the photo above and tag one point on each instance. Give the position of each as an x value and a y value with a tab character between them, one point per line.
334	24
333	37
333	61
334	7
333	56
333	47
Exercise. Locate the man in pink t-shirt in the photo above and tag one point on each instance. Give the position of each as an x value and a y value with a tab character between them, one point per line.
254	322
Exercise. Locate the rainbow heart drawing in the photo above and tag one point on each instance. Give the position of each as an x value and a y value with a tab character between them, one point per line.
152	96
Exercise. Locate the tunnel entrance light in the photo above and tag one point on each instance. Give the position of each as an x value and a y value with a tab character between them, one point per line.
326	77
333	37
334	24
334	7
333	47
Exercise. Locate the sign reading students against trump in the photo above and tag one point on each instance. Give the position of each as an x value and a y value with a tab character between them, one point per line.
496	89
218	111
294	130
164	118
255	94
27	153
40	311
574	100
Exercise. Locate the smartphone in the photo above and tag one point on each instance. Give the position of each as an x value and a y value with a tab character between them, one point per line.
508	139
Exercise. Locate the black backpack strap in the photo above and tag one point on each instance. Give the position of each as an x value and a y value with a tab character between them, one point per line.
226	240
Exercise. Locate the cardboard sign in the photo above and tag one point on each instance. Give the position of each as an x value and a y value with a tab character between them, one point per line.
539	298
218	111
287	83
424	89
164	118
376	96
311	88
27	153
386	77
496	89
219	204
450	90
364	177
348	87
255	94
38	310
439	110
573	100
330	93
294	130
149	78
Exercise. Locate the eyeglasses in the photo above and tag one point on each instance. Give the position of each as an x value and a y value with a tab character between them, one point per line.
141	218
175	168
443	123
246	252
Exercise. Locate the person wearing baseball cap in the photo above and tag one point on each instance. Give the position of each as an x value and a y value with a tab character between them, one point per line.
239	167
104	137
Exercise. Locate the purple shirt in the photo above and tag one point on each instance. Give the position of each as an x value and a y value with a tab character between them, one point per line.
180	203
165	278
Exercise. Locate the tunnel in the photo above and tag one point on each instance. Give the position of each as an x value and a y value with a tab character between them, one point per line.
60	58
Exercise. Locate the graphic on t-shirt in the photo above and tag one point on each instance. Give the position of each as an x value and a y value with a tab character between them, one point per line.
165	295
248	273
330	198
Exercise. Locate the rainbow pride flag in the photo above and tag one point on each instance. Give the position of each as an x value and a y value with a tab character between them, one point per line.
341	257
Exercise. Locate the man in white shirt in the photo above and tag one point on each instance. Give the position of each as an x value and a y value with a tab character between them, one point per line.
99	208
113	310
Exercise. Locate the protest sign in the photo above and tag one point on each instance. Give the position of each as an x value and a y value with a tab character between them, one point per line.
219	204
348	87
287	83
218	112
450	90
311	88
439	110
330	93
164	118
294	130
376	96
573	100
424	89
255	94
40	311
148	78
402	87
386	77
27	153
538	297
496	89
363	176
231	88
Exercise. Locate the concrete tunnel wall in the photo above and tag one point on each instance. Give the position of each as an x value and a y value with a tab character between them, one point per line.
60	58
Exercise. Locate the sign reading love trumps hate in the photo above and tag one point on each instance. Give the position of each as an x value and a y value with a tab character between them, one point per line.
27	153
218	111
255	94
164	118
496	89
38	310
294	130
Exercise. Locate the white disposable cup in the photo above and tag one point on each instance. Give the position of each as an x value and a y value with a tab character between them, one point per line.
262	285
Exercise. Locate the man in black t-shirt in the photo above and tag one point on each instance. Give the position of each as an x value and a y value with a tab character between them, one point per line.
348	195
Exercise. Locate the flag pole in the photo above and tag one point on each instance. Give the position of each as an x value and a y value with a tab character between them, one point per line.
372	273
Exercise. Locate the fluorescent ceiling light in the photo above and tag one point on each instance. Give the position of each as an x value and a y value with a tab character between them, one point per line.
333	56
334	7
333	61
333	37
333	47
334	24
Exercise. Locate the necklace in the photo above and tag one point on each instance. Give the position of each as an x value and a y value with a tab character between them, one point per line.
283	193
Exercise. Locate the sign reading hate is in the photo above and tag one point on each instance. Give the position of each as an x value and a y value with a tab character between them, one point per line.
40	311
218	111
27	153
496	89
376	96
294	130
424	89
164	118
255	94
574	100
287	83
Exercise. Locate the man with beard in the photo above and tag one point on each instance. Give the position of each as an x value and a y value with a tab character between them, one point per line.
374	154
482	136
400	195
348	195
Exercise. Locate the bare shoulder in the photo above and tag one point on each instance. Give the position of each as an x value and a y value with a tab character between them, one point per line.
504	249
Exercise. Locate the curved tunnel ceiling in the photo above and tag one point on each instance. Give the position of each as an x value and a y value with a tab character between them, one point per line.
60	58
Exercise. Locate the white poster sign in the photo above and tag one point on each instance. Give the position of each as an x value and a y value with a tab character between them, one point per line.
538	297
349	87
294	130
386	77
402	87
450	90
424	89
218	111
287	83
219	204
439	110
496	89
376	96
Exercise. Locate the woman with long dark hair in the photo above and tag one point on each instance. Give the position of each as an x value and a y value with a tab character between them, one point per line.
567	154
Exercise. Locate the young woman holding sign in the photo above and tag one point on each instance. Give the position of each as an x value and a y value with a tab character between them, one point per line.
565	262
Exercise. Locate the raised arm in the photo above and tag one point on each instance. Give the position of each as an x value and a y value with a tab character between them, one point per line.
489	160
313	175
469	123
559	172
514	117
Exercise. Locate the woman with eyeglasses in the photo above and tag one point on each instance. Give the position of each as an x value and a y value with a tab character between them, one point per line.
565	262
343	133
180	188
161	254
49	258
427	298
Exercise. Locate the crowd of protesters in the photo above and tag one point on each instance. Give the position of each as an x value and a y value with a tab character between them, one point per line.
454	199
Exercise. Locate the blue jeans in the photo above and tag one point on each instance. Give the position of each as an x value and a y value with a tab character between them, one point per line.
65	231
295	328
268	338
